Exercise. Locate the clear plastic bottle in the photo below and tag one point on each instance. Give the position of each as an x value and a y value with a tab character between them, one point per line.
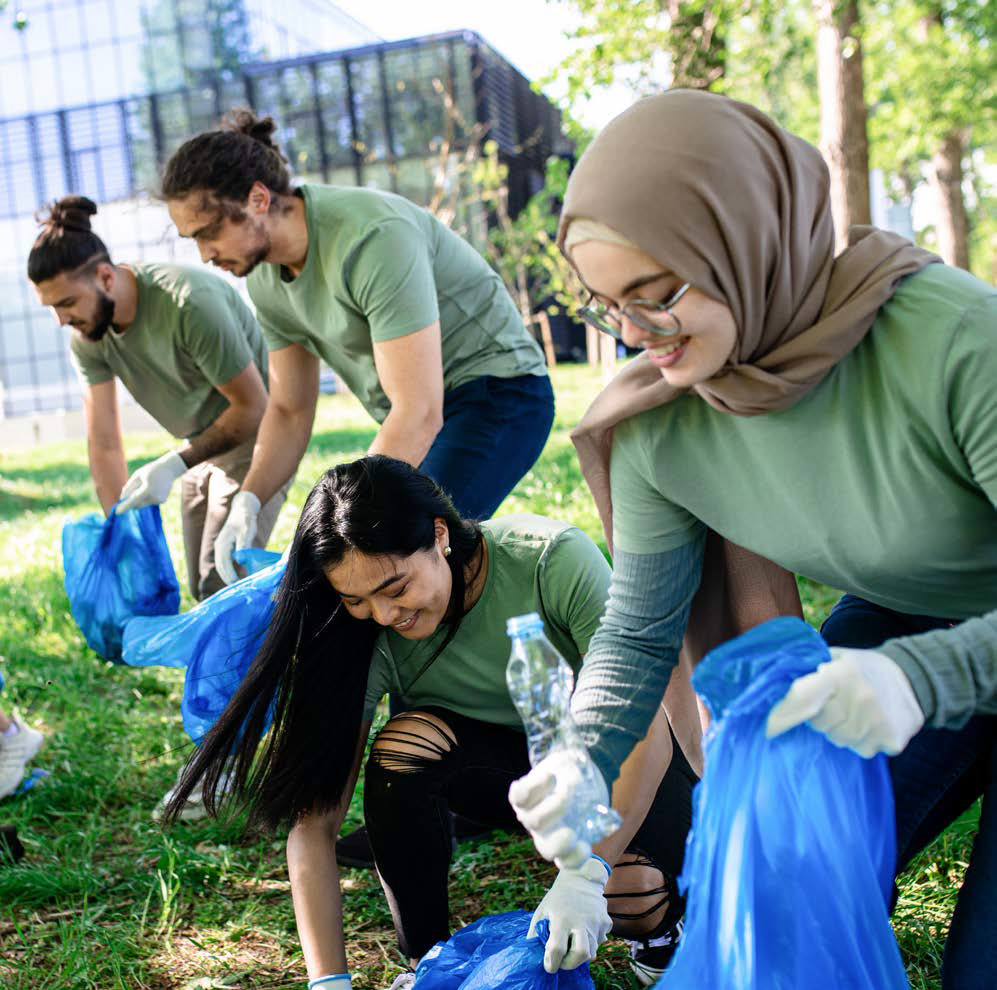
540	685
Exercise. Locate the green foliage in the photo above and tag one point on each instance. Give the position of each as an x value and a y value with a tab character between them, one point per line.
524	251
930	69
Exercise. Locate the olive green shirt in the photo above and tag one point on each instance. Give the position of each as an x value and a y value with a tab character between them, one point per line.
191	333
534	565
379	267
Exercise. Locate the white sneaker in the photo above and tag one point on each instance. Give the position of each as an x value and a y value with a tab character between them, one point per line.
404	981
16	752
649	959
193	808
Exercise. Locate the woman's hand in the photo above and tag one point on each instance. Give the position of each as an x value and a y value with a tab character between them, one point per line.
859	698
554	800
575	909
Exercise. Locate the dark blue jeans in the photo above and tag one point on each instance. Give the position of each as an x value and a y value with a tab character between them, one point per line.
493	432
935	779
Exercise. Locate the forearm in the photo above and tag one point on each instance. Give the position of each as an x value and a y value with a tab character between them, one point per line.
318	912
634	651
280	444
234	426
109	471
953	671
638	783
407	435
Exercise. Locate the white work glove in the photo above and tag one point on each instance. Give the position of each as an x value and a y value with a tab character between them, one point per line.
575	908
340	981
151	483
237	533
546	799
859	698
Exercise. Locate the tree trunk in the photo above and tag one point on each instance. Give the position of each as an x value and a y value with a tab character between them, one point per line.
946	180
843	140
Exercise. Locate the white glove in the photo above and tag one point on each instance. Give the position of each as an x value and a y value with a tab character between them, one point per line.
151	483
237	533
545	802
340	981
859	698
575	907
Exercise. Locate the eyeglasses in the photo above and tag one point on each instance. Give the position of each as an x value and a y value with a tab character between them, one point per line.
609	319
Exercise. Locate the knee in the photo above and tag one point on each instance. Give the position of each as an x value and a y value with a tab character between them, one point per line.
642	900
411	743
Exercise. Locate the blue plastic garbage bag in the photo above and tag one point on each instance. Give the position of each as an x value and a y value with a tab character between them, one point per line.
216	640
789	865
117	568
495	954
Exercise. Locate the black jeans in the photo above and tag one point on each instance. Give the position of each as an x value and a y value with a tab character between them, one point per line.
467	769
935	779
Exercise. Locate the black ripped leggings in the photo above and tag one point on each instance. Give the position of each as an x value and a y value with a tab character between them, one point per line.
417	774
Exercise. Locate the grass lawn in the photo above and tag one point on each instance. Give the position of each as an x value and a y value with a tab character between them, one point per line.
104	899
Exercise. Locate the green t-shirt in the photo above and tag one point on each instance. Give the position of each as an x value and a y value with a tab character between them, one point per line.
191	333
534	565
881	481
378	268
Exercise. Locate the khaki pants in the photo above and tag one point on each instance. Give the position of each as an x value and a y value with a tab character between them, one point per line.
206	493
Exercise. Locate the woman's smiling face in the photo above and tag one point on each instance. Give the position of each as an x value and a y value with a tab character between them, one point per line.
410	594
618	275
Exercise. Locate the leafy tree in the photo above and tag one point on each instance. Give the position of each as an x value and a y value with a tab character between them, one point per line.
932	103
651	44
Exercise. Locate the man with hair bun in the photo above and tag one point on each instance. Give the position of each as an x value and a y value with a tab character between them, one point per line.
409	315
187	348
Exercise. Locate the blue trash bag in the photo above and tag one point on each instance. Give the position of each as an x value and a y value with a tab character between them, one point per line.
789	865
117	568
216	640
495	954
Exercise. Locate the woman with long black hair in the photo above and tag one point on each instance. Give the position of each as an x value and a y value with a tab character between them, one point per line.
388	589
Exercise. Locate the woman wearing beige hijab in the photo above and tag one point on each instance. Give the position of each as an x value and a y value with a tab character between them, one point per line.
834	415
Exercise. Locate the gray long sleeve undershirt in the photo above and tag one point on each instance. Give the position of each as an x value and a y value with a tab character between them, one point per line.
631	655
953	671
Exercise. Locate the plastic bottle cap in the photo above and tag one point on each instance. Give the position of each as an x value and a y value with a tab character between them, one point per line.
520	624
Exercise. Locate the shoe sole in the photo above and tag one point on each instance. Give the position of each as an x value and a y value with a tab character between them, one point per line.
646	976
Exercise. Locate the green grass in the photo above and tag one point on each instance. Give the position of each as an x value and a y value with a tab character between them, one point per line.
104	899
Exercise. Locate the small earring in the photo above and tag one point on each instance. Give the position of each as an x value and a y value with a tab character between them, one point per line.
446	551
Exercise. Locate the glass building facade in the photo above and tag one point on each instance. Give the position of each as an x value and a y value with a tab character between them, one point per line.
389	115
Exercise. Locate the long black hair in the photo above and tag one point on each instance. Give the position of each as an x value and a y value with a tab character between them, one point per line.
66	243
223	164
311	670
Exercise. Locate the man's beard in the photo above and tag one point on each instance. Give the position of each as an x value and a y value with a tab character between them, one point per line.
103	318
258	254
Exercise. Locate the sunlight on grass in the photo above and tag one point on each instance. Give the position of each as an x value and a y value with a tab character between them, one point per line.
106	900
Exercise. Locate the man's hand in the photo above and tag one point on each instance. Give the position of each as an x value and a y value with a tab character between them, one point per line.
237	533
151	483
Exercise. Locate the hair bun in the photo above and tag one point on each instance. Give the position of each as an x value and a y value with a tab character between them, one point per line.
262	129
71	213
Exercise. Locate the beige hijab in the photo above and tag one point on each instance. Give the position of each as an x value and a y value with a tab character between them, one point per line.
727	200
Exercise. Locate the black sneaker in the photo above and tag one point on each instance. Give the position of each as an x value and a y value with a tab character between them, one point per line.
354	849
649	959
